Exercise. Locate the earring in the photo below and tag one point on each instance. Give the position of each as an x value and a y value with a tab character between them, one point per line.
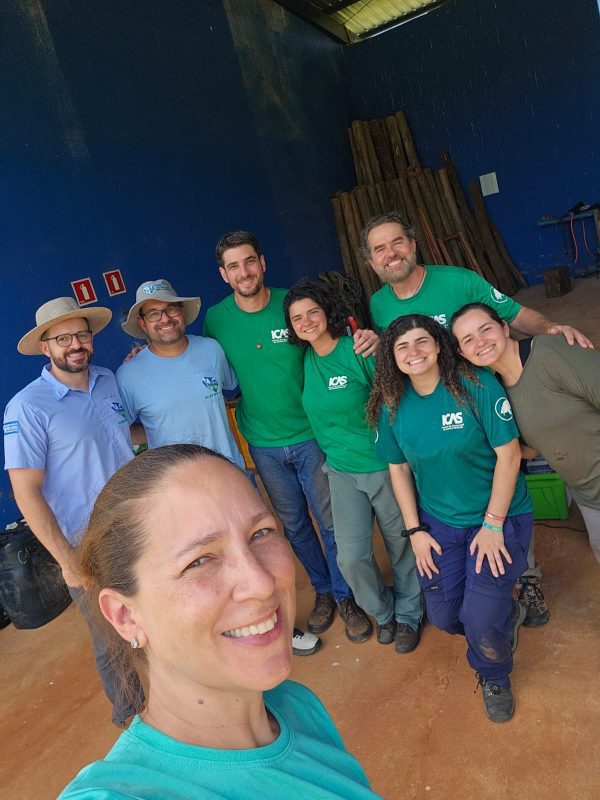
134	643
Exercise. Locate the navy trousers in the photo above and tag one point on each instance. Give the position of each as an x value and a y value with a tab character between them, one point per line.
477	606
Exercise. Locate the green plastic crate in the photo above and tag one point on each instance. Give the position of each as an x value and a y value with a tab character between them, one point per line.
549	496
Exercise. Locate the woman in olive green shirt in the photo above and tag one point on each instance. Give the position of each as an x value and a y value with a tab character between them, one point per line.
337	384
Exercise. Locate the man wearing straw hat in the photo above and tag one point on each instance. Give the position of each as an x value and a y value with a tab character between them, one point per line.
65	434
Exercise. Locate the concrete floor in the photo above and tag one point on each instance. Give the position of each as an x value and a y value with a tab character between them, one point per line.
413	721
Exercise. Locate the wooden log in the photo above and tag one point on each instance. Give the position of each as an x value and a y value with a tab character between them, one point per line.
557	281
385	204
367	277
413	219
358	167
381	144
503	281
512	268
373	160
396	146
363	204
362	152
429	237
470	228
338	216
407	140
444	211
430	205
395	201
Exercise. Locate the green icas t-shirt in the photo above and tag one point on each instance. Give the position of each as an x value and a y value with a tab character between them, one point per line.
444	291
336	390
269	370
450	449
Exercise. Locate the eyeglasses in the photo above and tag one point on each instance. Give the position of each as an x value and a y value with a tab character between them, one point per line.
65	339
156	313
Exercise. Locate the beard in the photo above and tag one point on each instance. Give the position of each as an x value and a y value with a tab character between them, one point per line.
64	366
253	291
401	274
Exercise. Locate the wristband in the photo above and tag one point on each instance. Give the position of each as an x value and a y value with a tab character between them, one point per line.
491	527
495	516
422	526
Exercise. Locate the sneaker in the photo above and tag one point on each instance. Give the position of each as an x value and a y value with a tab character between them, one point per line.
516	620
321	617
530	595
358	625
498	701
304	643
407	638
386	633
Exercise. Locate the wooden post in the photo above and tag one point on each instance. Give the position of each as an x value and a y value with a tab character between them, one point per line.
396	146
407	140
557	281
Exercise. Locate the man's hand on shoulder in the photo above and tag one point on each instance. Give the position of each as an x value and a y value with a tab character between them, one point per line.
134	351
366	342
572	335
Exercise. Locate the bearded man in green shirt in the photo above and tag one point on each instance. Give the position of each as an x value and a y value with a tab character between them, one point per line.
250	326
390	247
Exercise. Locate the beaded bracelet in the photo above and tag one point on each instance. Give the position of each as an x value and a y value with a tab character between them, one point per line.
495	516
492	527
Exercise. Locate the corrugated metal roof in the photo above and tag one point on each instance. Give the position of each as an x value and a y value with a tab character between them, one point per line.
366	16
354	20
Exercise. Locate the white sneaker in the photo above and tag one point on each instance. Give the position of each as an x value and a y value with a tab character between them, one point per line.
304	643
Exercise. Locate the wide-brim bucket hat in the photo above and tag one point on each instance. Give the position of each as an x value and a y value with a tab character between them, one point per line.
160	289
58	310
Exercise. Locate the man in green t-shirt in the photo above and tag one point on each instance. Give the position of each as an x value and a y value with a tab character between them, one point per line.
389	246
250	326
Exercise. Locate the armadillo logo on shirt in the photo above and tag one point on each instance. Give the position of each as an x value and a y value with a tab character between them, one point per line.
279	335
338	382
497	296
503	409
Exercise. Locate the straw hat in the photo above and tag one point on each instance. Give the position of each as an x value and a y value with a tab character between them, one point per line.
160	289
58	310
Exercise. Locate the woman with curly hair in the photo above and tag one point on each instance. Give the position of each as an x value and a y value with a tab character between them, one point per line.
337	384
447	432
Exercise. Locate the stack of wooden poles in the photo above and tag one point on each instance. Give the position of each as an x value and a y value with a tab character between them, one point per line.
391	178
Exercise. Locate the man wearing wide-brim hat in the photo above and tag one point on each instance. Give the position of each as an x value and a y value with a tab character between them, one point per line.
65	434
175	385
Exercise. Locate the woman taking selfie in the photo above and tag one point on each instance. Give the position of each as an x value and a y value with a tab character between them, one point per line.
196	590
337	384
554	390
448	430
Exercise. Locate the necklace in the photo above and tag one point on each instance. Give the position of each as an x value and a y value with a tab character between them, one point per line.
416	291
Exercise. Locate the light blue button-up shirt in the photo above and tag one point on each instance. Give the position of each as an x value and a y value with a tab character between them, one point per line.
78	438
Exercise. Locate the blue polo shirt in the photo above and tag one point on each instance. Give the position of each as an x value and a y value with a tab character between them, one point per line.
180	400
78	438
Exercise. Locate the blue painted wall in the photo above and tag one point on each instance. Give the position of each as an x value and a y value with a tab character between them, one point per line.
511	87
133	134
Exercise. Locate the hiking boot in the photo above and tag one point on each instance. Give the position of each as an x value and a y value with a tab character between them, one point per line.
407	638
498	701
304	644
357	624
516	620
386	633
321	617
530	595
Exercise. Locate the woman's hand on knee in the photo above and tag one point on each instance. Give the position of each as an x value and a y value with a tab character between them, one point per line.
490	545
422	545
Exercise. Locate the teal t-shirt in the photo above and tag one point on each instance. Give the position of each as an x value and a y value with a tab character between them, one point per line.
269	370
307	761
444	291
449	448
336	390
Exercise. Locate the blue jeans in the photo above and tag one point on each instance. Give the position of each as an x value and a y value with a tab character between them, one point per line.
109	677
294	479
